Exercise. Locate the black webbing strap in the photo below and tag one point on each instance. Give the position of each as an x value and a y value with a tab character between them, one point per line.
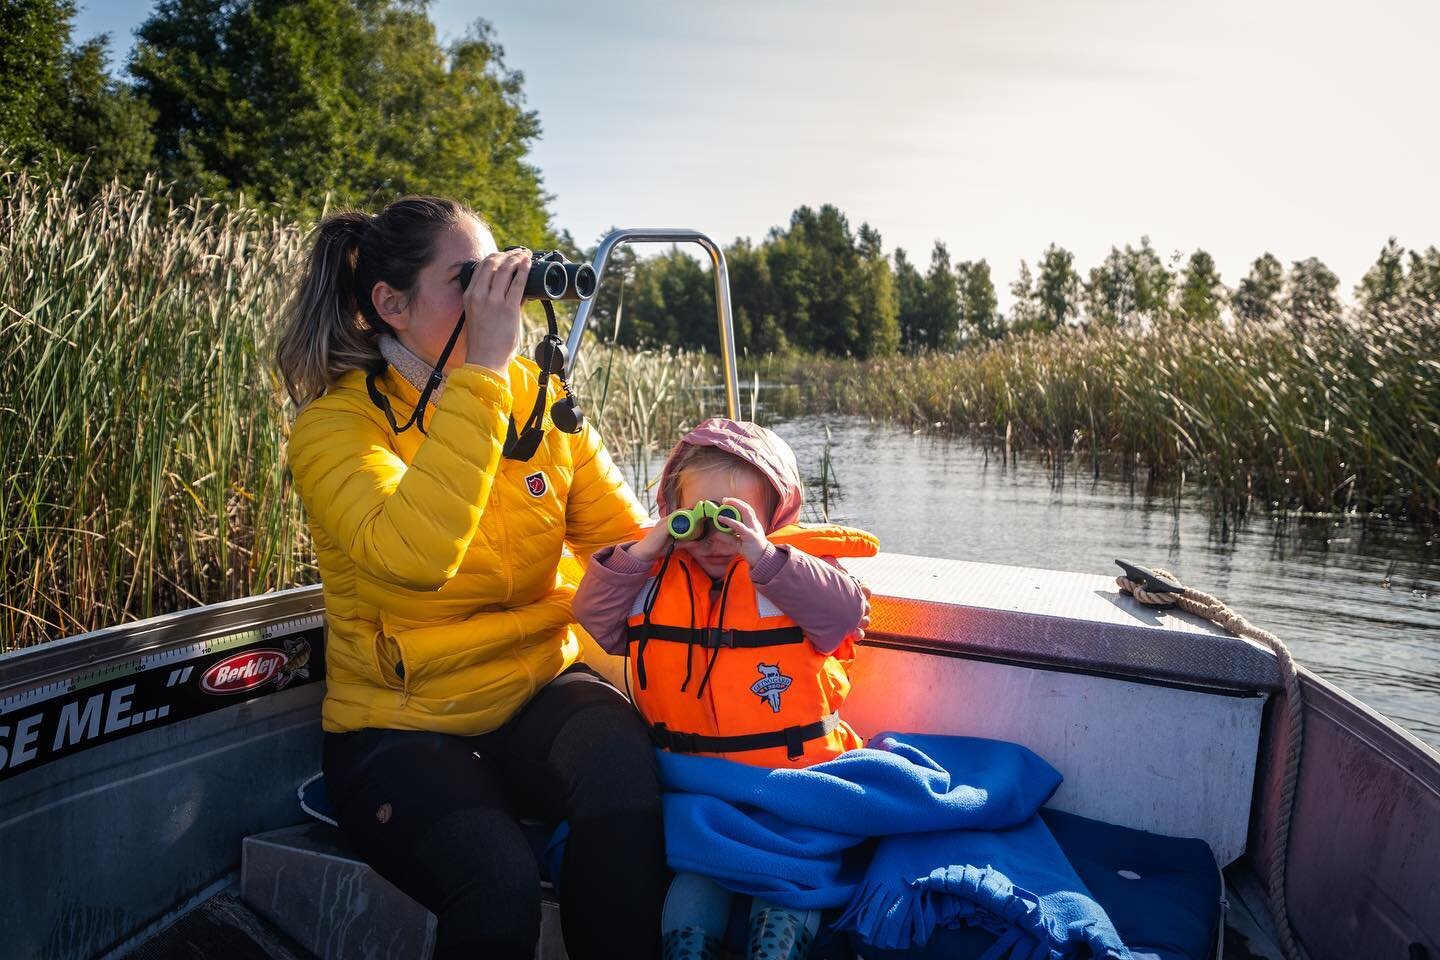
712	638
437	377
522	444
793	739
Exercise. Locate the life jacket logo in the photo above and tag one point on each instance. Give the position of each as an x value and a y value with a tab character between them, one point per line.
771	684
243	671
535	483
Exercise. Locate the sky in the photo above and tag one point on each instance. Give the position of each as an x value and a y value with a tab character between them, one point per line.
998	126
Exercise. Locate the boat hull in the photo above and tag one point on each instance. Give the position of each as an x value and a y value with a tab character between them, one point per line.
1157	721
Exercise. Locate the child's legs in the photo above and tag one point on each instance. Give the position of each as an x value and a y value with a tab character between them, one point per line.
696	902
809	919
780	933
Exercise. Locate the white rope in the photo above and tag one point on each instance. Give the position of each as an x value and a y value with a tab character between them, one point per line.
1213	609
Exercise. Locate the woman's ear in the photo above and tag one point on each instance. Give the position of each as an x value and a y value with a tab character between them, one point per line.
391	304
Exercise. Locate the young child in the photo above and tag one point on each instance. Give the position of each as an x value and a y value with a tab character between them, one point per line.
739	627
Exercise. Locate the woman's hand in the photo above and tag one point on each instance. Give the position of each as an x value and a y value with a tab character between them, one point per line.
749	533
649	547
492	308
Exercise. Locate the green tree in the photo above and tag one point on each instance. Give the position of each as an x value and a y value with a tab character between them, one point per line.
1383	287
34	35
794	289
979	316
617	288
1025	310
290	100
689	297
1422	285
1257	298
834	264
1130	287
1201	293
941	321
671	300
909	302
1310	291
57	104
752	295
879	333
1058	290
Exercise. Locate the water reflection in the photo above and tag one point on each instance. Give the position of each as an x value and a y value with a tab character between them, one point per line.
1358	601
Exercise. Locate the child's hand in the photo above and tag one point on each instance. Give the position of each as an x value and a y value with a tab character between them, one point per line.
649	548
749	533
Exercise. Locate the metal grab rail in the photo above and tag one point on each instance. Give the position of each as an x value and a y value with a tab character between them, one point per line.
723	312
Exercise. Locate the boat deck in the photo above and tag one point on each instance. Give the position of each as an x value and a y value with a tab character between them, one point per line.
224	928
221	928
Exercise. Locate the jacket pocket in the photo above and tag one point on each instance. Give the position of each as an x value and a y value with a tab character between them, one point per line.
389	659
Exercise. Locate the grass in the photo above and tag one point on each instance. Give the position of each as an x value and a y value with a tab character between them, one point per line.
142	423
140	464
1338	416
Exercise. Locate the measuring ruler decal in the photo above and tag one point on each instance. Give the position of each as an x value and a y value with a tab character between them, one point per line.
94	706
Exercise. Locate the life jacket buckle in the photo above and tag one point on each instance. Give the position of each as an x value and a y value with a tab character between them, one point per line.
674	740
712	638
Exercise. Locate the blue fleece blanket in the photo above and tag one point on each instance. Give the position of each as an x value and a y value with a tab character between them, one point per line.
955	818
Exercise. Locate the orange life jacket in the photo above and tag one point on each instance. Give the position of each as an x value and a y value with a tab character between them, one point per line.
728	674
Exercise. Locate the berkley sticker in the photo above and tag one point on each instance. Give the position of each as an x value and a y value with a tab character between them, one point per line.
243	671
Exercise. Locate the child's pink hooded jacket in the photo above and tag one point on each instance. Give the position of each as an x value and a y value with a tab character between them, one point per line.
825	601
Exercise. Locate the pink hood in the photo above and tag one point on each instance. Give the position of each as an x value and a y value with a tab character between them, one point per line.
754	444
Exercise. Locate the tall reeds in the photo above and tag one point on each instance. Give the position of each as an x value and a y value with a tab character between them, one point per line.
641	401
140	466
141	419
142	425
1341	415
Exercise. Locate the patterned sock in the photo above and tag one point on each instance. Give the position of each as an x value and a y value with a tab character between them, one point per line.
690	943
780	934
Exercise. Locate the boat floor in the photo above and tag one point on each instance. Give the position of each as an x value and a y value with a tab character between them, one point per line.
224	928
220	928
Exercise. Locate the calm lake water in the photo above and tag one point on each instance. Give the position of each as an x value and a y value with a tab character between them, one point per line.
1320	584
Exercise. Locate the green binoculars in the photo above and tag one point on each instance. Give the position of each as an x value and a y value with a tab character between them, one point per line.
691	524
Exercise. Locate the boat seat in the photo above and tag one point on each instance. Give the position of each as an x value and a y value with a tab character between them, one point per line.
308	882
1163	894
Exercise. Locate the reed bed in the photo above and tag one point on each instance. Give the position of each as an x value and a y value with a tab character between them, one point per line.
140	454
641	401
142	423
1333	416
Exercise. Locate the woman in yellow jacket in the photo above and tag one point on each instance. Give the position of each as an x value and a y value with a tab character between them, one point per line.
454	701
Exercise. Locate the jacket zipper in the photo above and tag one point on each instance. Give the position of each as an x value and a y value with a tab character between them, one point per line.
504	544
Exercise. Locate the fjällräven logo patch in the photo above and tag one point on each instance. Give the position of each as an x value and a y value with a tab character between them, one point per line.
771	684
535	483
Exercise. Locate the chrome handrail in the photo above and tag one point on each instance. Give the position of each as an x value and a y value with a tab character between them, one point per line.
722	299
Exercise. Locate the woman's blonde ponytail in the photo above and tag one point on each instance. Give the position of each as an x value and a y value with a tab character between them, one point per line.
325	333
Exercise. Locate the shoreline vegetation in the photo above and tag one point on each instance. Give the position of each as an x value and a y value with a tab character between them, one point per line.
142	423
1334	416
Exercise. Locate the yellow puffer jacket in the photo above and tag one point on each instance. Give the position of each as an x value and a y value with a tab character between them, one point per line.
438	558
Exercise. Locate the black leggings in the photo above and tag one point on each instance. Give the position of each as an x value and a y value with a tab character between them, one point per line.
436	814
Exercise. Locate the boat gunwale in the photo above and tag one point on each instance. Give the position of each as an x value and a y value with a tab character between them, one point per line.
34	666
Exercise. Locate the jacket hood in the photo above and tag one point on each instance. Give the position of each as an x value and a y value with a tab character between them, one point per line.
757	446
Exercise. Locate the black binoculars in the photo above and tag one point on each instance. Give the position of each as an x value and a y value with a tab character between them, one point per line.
552	277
